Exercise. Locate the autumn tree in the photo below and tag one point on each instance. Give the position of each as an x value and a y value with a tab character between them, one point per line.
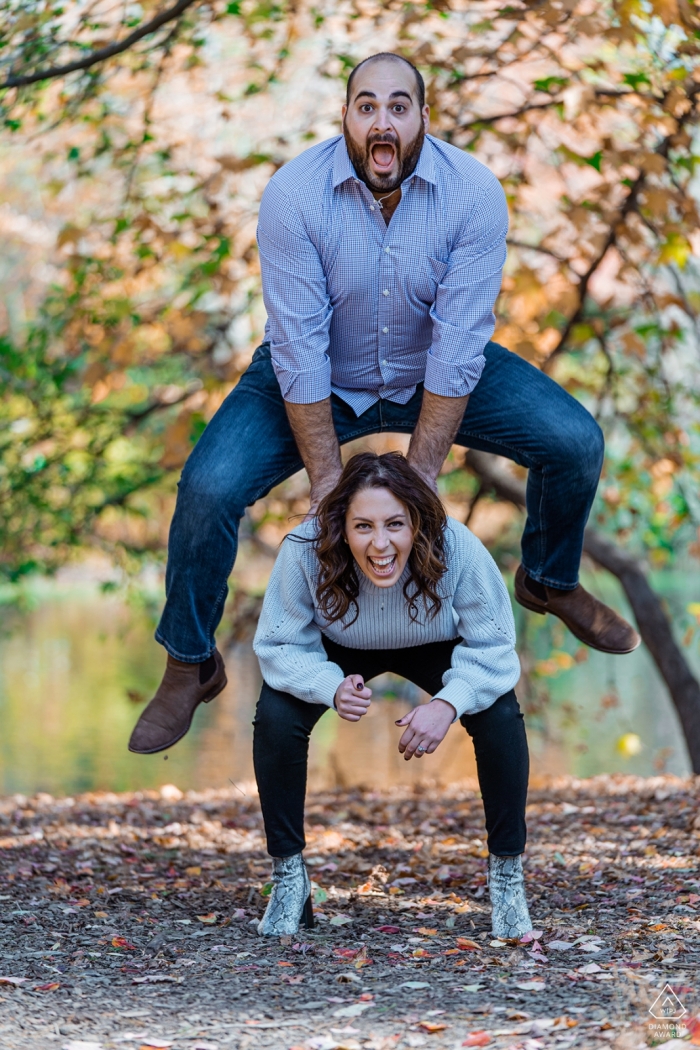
153	132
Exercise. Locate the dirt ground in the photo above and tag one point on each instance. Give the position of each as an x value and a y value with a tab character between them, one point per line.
129	921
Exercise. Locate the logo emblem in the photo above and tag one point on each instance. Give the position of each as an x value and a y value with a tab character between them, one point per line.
667	1006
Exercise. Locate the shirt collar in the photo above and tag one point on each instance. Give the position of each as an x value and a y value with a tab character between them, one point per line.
343	169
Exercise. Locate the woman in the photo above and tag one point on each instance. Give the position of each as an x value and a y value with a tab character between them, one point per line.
383	581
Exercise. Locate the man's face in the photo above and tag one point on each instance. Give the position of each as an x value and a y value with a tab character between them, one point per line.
383	124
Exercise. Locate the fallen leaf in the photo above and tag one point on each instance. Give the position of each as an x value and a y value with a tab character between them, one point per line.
194	870
340	920
14	981
50	986
432	1026
209	918
352	1011
80	1044
100	914
477	1039
425	932
560	946
157	1043
121	942
590	968
467	945
530	986
531	935
388	929
156	978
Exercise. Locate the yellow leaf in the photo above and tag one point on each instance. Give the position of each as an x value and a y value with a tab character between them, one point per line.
209	919
426	932
629	745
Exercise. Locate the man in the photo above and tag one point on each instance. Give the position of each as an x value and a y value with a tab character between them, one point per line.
381	253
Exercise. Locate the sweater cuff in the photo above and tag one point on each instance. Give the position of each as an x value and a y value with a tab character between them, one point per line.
458	693
325	684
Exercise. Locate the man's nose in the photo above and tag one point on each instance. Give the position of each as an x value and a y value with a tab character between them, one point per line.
383	120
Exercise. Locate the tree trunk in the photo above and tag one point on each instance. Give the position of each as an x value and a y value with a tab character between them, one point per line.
652	621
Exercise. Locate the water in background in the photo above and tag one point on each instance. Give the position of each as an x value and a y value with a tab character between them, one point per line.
76	668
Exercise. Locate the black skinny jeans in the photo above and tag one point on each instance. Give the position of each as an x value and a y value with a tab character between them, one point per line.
283	726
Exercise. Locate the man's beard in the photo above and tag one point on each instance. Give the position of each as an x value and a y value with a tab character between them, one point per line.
407	157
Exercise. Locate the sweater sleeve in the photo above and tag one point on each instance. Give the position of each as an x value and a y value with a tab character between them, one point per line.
484	664
288	642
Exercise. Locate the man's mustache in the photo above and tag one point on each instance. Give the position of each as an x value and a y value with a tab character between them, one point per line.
390	140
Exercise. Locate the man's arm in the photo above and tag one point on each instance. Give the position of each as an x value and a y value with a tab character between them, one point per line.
434	434
314	433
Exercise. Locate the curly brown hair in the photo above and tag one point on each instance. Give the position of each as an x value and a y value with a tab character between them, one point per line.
338	585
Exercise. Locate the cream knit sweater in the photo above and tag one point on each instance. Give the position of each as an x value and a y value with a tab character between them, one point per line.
476	608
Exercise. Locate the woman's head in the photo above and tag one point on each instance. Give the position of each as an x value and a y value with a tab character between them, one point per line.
380	518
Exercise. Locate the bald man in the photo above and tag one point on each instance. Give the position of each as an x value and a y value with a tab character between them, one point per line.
381	253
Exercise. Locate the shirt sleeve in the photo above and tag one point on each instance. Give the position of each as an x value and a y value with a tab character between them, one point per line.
484	664
288	642
296	298
462	314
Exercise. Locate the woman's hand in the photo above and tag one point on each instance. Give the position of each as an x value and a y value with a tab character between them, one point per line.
352	698
426	727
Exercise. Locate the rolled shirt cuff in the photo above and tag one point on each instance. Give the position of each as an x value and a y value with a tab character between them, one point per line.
304	387
452	380
325	684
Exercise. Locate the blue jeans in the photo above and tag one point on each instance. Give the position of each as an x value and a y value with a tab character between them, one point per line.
248	448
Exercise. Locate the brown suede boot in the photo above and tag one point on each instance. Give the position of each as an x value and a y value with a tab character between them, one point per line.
169	715
588	619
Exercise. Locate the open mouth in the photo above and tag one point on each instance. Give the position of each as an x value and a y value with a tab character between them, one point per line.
382	566
383	157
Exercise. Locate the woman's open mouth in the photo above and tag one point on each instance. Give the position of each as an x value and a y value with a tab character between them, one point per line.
383	157
382	566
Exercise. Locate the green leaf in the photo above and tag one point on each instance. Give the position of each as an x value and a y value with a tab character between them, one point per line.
233	8
634	80
552	85
595	160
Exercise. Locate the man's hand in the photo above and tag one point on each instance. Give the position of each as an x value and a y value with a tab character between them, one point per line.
426	728
352	698
317	441
437	426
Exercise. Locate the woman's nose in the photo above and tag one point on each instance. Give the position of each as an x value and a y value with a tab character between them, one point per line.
381	541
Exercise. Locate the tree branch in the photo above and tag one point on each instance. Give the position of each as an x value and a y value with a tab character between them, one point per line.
653	624
102	53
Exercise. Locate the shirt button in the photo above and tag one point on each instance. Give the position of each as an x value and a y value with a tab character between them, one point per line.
385	330
387	250
385	362
371	207
385	292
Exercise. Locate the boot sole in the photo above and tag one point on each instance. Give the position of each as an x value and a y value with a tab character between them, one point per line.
591	645
164	747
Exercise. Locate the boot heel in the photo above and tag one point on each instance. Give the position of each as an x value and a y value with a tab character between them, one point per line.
307	916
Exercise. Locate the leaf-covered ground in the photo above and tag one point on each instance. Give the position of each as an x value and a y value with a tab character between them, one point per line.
130	921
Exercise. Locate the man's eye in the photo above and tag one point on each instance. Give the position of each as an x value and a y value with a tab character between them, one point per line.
399	109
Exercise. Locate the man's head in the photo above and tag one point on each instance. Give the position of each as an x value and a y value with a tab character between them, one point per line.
385	120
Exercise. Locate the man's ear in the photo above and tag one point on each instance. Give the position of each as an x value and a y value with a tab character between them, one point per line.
426	117
343	112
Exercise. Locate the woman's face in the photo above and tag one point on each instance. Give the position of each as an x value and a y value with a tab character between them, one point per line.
379	533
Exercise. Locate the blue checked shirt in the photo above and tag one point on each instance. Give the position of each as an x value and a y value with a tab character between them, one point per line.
366	310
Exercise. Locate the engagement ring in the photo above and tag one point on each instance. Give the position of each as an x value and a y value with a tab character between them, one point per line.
421	748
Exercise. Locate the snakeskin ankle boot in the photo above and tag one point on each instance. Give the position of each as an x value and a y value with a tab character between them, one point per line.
290	898
509	914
